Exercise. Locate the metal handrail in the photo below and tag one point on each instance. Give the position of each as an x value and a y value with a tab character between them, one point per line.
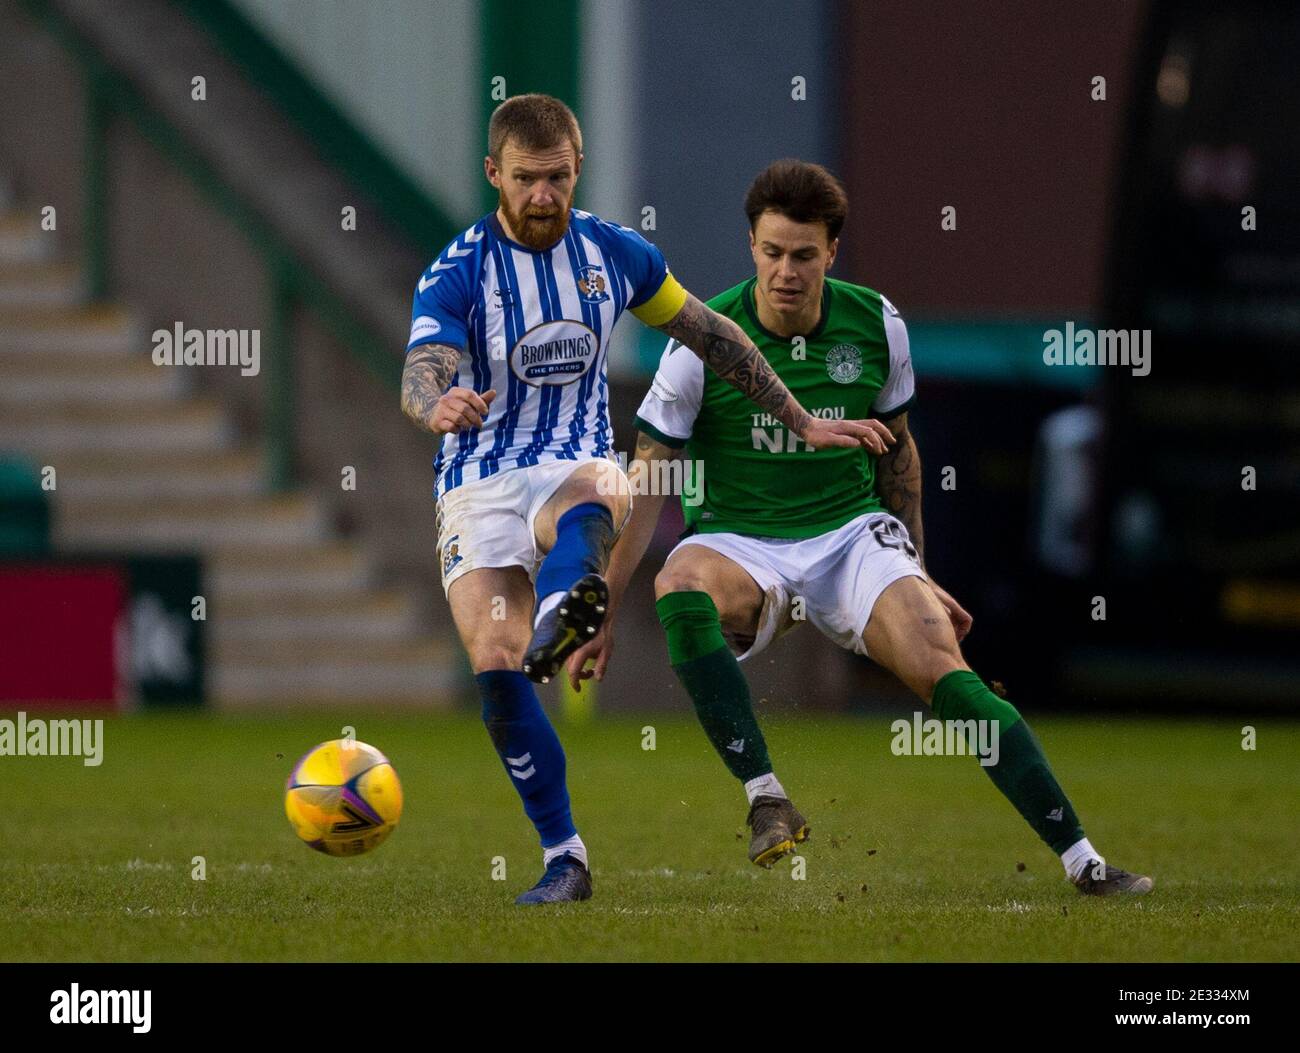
109	95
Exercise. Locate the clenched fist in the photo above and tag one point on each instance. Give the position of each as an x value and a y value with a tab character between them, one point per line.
459	409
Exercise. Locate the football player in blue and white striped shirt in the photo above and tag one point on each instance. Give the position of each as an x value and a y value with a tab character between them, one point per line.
506	364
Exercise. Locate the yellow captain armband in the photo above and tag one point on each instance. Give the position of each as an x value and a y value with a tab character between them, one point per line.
662	306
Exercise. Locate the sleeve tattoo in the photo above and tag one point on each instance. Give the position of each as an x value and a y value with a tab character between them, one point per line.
898	482
429	369
723	346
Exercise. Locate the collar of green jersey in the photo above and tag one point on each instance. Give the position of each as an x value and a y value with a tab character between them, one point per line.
747	297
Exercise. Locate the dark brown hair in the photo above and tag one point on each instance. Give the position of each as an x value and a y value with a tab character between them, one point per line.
800	190
532	122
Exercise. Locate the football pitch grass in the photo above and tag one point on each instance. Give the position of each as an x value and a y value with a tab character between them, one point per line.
911	859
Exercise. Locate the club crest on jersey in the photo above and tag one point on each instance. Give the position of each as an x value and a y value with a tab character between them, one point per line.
554	353
451	554
591	284
844	363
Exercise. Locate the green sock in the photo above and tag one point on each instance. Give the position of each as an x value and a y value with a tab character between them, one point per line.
711	675
1022	772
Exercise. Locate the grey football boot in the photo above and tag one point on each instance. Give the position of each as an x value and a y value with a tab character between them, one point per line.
777	827
1102	879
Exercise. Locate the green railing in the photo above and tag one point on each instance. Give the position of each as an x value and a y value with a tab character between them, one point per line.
291	280
406	206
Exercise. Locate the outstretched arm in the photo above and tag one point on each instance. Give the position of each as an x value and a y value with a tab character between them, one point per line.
898	482
723	346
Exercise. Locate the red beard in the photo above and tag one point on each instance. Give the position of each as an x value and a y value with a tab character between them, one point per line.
536	232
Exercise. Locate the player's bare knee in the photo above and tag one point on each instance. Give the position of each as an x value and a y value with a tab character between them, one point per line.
496	656
679	578
619	506
938	663
604	484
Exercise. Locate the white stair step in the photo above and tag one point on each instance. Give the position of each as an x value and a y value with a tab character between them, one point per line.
349	627
60	383
417	649
315	569
190	426
282	522
423	673
160	478
244	603
21	237
96	330
314	605
48	284
356	686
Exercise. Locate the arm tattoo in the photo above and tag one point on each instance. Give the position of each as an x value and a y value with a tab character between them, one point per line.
723	346
429	369
898	482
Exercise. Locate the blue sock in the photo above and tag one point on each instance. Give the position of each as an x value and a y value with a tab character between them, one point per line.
529	749
583	537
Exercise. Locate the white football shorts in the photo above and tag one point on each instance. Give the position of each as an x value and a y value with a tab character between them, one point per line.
838	575
489	522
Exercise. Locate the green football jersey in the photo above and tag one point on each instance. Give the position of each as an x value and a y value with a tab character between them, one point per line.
747	473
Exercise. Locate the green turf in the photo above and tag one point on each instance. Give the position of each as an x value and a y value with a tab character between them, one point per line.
911	858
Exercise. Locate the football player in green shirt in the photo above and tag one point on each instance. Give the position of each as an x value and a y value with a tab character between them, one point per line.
781	530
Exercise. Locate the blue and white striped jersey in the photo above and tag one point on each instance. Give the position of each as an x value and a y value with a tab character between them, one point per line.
535	326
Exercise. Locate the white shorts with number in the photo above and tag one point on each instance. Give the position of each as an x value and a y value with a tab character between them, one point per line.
838	575
489	522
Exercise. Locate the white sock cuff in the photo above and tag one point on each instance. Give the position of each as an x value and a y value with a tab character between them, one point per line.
1077	856
765	786
573	846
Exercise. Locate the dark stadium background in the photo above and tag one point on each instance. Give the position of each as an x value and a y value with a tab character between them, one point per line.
1118	212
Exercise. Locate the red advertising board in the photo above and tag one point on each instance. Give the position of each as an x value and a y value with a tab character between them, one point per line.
63	635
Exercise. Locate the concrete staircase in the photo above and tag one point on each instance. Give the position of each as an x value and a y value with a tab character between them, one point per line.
146	465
